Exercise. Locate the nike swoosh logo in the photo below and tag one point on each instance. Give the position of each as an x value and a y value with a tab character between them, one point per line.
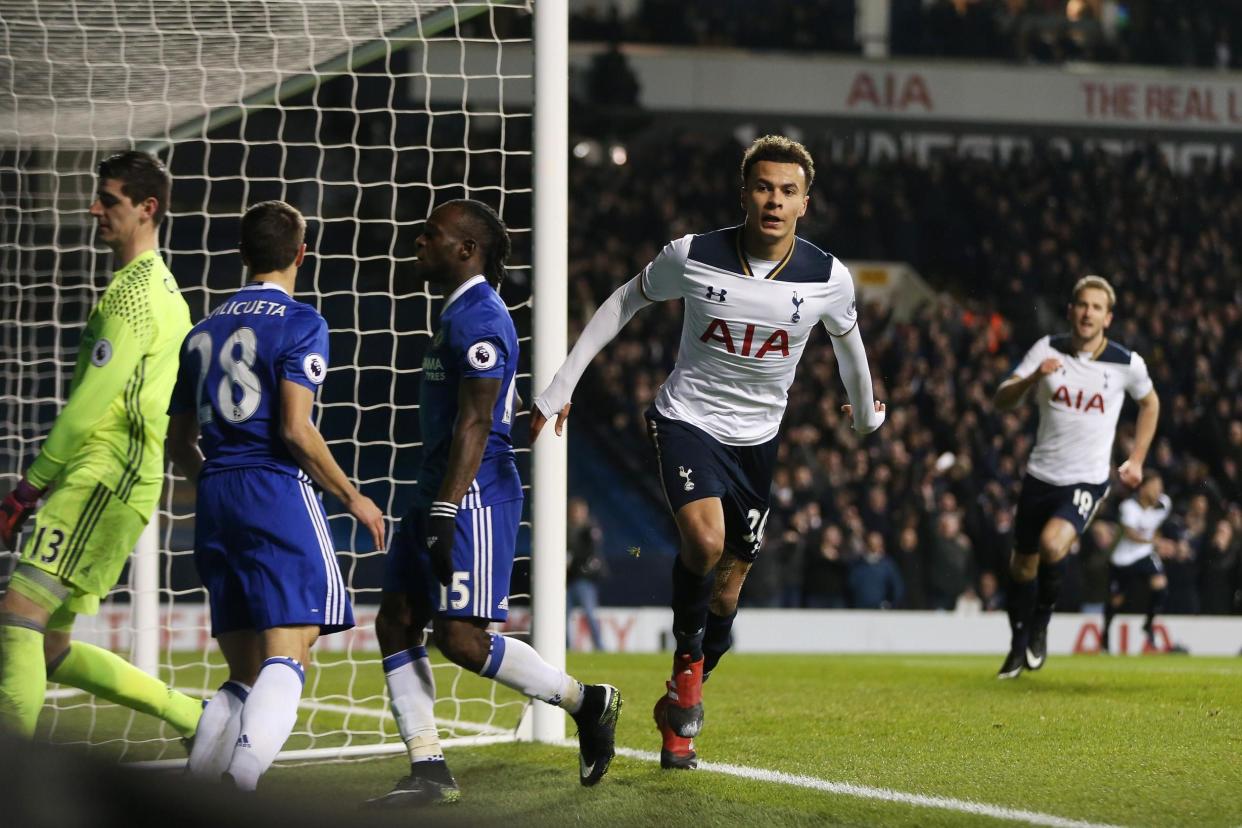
583	768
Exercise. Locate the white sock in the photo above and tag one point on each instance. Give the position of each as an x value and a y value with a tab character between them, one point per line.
267	719
412	695
217	730
516	664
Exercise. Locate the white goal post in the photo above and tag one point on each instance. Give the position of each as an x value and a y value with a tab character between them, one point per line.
363	114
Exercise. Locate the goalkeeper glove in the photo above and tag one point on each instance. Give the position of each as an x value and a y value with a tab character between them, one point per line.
14	510
441	528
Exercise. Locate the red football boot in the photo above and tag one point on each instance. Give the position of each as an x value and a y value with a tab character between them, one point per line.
684	713
676	752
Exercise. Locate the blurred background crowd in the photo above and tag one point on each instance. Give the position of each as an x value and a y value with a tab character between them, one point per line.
1188	33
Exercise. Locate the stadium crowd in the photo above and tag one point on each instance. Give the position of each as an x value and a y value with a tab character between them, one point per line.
1197	33
920	516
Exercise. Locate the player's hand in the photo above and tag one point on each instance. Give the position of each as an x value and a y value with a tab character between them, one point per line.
369	515
537	421
1131	473
16	507
1048	366
848	410
441	527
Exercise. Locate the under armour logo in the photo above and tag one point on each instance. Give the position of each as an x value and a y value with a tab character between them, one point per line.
712	294
797	304
685	475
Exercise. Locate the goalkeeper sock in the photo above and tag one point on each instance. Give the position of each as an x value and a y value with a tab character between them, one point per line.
412	695
515	664
691	594
716	640
267	719
23	676
105	674
218	730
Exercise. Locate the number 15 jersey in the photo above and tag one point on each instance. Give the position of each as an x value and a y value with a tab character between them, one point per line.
232	365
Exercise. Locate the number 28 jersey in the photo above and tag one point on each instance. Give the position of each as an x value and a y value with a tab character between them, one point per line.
232	365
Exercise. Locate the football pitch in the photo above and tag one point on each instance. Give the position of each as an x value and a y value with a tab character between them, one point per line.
858	740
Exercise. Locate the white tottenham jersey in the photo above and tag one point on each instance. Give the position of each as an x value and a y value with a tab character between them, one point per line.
742	335
1079	404
1143	522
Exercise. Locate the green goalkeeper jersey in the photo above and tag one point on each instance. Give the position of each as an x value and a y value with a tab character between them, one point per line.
113	426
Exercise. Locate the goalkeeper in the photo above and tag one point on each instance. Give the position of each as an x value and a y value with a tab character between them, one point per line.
101	467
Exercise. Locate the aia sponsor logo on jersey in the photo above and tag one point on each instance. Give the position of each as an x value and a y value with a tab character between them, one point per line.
1078	400
776	343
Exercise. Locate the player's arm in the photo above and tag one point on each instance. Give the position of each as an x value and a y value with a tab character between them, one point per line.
868	412
1131	471
182	443
662	279
604	326
1012	390
108	367
476	399
310	451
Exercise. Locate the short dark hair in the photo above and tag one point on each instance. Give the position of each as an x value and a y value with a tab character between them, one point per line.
489	231
271	233
142	176
782	150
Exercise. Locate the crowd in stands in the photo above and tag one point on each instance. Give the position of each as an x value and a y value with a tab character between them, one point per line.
1199	33
920	514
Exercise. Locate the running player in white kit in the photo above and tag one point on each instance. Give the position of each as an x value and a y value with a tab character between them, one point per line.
1080	381
752	293
1134	555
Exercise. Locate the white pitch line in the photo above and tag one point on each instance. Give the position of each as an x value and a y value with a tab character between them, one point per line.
866	792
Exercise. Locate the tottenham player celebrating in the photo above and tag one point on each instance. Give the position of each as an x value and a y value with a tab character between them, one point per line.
1080	381
248	377
453	555
1134	557
752	295
104	465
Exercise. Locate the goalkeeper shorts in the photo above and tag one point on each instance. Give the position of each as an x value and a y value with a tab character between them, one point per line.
83	535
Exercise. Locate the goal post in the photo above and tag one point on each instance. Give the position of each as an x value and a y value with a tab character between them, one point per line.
363	114
550	323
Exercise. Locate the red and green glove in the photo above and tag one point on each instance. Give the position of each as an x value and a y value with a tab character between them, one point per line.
14	510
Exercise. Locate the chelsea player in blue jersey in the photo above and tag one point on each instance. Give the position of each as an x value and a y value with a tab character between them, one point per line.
452	557
244	393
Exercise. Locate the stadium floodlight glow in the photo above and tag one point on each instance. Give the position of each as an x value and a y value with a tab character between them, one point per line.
362	114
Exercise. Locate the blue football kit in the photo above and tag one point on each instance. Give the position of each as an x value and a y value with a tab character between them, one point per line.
476	339
261	540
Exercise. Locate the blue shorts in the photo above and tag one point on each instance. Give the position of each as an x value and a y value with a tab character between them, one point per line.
1120	577
263	550
483	549
1039	502
694	465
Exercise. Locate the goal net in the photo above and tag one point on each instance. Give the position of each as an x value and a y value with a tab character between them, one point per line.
361	113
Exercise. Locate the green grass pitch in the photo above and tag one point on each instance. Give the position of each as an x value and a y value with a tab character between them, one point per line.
1122	741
